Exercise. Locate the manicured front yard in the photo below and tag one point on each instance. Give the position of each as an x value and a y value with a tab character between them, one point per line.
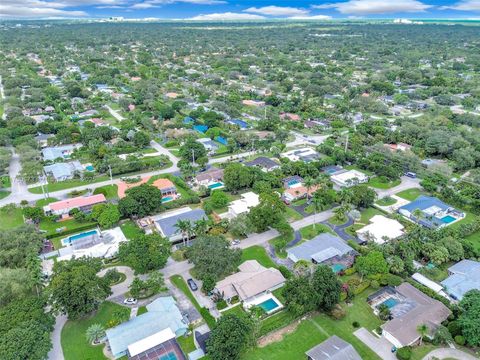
186	344
110	191
44	202
410	194
386	201
292	215
74	343
130	229
378	184
365	216
50	226
258	253
67	184
10	217
310	231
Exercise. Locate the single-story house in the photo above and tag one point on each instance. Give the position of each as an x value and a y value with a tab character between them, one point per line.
165	223
256	103
42	139
289	116
161	324
243	125
210	176
324	249
431	212
298	192
243	205
292	181
464	276
264	163
59	152
349	178
63	171
208	144
304	154
251	281
82	203
409	308
168	189
334	348
380	229
97	244
398	147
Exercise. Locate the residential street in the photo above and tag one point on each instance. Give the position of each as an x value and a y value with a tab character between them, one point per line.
448	353
407	183
114	113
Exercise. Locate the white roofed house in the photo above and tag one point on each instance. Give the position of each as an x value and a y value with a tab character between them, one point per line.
243	205
380	229
349	178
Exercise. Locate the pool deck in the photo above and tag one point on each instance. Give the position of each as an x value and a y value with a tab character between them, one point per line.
263	298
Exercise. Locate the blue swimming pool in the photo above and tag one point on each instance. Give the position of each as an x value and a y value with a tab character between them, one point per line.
89	168
338	267
215	185
269	305
448	219
292	183
166	199
76	237
169	356
390	303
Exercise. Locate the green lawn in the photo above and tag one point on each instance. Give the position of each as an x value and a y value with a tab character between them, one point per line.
10	218
142	310
317	329
51	226
130	229
237	310
310	231
4	194
469	218
292	215
353	167
43	202
110	191
378	184
181	284
74	343
386	201
67	184
258	253
474	239
279	243
410	194
186	344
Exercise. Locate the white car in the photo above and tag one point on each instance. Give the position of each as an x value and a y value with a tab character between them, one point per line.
130	301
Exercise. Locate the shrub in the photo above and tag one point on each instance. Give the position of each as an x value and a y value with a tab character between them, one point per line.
391	280
338	312
343	296
460	340
356	324
287	274
404	353
361	288
350	271
454	328
375	284
235	299
222	304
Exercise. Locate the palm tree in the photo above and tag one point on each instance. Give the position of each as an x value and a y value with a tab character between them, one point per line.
317	204
184	226
422	331
418	214
201	226
94	333
309	183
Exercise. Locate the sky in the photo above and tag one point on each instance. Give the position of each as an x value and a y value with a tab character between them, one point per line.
241	9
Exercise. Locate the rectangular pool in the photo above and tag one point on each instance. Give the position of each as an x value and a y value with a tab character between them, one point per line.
390	303
169	356
73	238
215	185
269	305
338	267
448	219
167	199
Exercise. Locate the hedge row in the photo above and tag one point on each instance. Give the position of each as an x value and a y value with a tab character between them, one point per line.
70	231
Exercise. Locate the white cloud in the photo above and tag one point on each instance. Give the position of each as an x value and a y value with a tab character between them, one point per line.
369	7
158	3
465	5
226	16
313	17
277	11
40	8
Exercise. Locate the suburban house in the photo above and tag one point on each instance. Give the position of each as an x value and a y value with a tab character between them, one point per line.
255	103
431	212
59	152
209	177
289	116
82	203
168	189
324	249
304	154
42	139
349	178
165	223
380	230
298	192
150	335
292	181
243	205
409	308
264	163
63	171
334	348
208	144
92	243
398	147
464	276
250	282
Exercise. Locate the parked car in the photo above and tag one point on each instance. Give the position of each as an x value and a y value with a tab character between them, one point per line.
235	242
411	175
192	284
130	301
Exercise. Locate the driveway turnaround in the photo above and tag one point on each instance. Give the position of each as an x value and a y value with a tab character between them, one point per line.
380	346
447	353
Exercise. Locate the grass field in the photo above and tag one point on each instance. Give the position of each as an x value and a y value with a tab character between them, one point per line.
4	194
51	226
410	194
317	329
187	344
292	215
130	229
258	253
43	202
378	184
310	231
67	184
10	218
110	191
386	201
74	343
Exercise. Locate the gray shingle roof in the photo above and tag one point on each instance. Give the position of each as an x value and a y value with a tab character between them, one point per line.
320	248
333	348
168	224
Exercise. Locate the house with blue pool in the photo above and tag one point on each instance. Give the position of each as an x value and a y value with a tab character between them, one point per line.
151	333
431	212
463	277
243	125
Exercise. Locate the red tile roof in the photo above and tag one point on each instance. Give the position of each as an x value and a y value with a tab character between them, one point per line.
77	202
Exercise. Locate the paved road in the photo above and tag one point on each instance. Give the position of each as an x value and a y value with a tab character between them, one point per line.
407	183
114	113
56	353
447	353
301	139
381	346
160	149
122	288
